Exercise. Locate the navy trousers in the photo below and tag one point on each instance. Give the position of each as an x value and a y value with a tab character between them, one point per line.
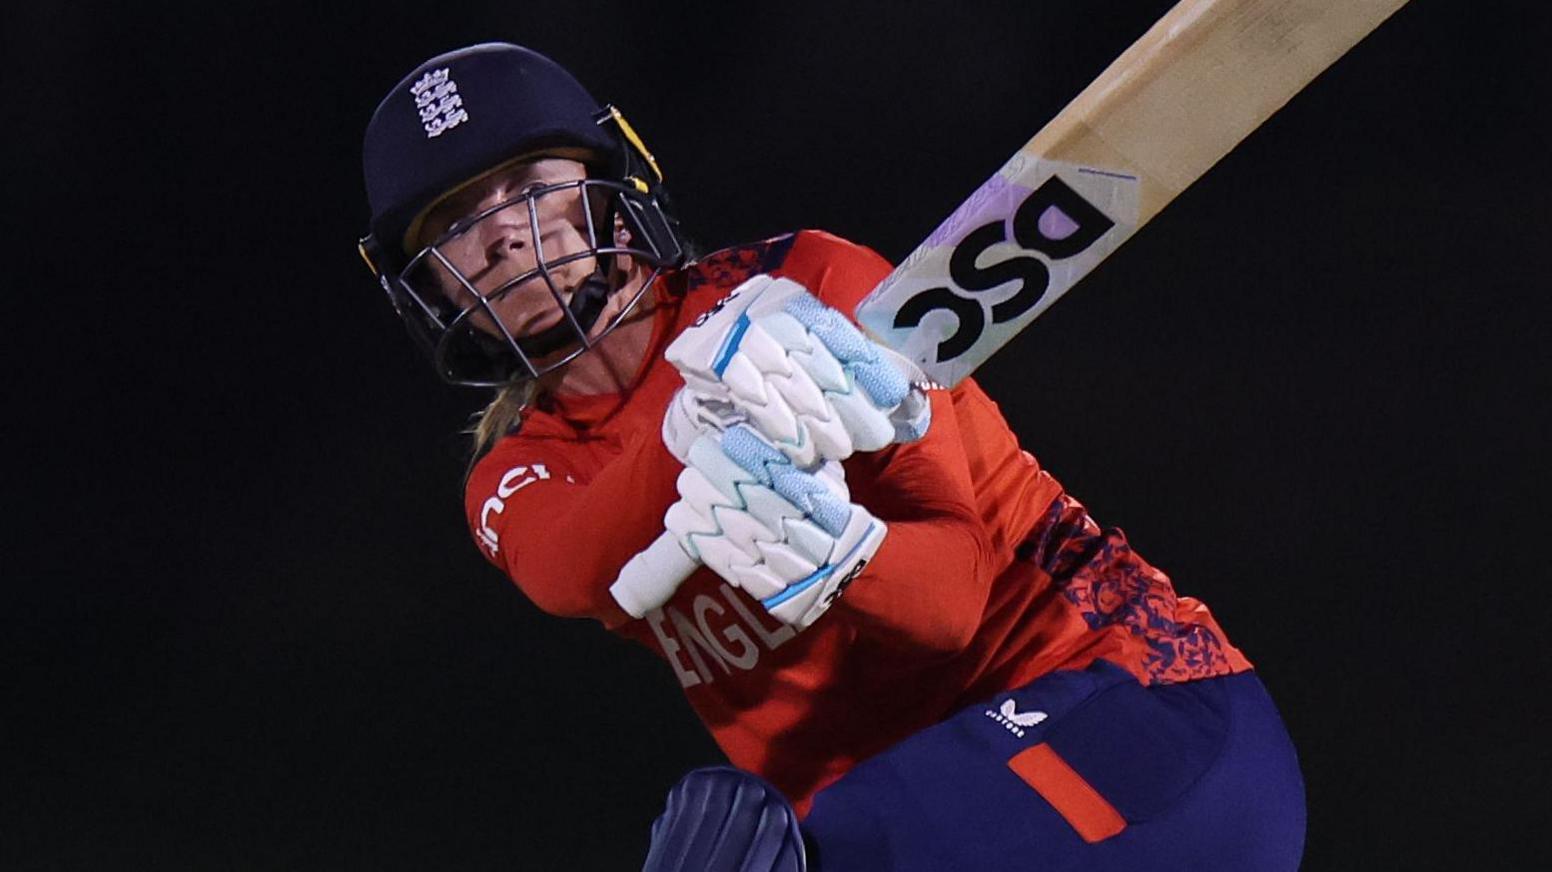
1078	770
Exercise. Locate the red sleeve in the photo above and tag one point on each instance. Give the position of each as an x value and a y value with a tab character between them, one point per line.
928	584
838	272
560	518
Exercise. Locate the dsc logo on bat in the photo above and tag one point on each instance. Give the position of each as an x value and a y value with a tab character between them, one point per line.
1007	253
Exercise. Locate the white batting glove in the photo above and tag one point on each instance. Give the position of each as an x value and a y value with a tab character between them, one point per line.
771	355
690	415
789	538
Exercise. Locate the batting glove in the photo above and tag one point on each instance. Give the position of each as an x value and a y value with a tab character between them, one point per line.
789	538
772	356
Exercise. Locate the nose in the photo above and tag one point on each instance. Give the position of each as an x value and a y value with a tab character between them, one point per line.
509	241
506	236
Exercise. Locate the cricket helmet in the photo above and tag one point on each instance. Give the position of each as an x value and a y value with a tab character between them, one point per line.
450	122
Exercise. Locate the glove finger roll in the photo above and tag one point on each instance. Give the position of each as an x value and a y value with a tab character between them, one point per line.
774	470
883	382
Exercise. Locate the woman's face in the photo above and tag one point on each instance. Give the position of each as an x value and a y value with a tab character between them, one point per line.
501	247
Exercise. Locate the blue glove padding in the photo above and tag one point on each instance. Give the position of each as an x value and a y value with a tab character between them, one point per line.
790	538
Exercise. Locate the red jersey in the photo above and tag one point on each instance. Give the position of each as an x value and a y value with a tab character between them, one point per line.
990	575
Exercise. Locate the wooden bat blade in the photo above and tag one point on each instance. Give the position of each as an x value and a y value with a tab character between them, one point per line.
1172	105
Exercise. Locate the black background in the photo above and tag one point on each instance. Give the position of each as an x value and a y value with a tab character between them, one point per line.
246	629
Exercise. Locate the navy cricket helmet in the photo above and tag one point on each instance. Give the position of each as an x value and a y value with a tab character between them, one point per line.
451	122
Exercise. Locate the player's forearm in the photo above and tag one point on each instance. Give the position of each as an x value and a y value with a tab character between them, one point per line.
928	584
927	587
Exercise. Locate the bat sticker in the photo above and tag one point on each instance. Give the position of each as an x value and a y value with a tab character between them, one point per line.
1021	241
1055	221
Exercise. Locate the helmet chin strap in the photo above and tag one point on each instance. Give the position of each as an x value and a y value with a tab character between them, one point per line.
587	303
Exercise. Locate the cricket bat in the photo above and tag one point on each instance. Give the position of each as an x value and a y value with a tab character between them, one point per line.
1175	102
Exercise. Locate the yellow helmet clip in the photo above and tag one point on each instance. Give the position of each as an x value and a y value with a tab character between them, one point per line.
635	140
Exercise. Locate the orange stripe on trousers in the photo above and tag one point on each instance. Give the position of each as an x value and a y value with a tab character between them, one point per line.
1067	792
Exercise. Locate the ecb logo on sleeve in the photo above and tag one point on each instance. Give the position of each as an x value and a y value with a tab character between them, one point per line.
1054	221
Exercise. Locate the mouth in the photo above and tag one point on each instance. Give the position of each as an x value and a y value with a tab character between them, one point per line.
524	309
540	321
529	313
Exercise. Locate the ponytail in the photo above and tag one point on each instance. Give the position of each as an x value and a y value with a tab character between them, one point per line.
503	416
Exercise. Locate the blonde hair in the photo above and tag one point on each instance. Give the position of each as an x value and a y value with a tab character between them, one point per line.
504	415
